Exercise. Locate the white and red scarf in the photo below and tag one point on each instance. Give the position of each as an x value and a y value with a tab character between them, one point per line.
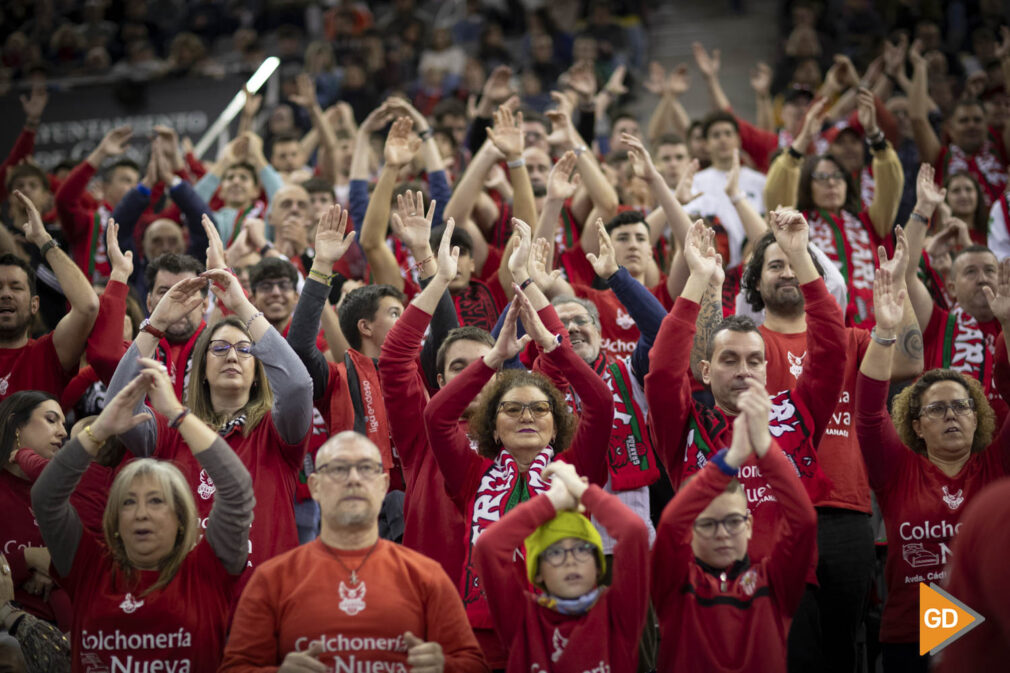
985	165
965	348
848	243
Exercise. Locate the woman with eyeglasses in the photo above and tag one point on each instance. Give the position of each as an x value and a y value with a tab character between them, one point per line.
719	610
564	558
247	384
831	201
521	424
924	465
153	589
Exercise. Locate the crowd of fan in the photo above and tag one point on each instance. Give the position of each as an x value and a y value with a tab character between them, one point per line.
451	363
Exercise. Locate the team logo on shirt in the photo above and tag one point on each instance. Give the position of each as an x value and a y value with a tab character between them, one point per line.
206	489
796	363
624	320
560	643
352	599
953	501
4	384
749	582
129	605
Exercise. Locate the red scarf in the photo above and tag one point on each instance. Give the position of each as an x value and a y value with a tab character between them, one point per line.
867	186
502	487
631	459
182	362
255	210
361	408
984	165
965	349
476	306
847	242
98	259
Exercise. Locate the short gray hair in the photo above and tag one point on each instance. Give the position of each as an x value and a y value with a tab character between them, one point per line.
590	307
348	437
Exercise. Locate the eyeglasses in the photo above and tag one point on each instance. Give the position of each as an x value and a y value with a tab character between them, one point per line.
341	472
556	556
708	528
580	320
266	286
837	176
219	348
538	409
938	410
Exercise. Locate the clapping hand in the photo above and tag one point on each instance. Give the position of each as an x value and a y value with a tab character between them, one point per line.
122	263
887	303
605	265
507	134
540	262
507	345
565	474
117	417
518	261
401	145
791	230
999	301
755	407
33	228
699	252
215	246
927	195
160	391
708	63
562	181
448	254
226	288
179	301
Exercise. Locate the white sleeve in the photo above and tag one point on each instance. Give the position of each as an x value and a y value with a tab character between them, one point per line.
999	237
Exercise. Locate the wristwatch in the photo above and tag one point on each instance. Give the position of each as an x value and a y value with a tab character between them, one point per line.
146	326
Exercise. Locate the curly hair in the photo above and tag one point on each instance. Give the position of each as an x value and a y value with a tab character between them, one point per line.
484	418
907	407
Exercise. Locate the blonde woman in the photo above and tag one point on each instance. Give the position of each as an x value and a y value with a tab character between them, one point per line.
150	591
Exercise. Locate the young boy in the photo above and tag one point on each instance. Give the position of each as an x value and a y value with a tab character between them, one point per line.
575	625
717	610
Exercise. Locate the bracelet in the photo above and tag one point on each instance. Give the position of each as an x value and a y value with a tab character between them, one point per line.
876	138
737	198
793	152
419	265
426	133
257	314
267	247
47	246
579	150
921	218
175	422
526	283
516	163
323	278
91	436
883	341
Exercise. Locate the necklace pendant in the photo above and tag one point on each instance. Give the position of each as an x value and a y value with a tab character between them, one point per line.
354	578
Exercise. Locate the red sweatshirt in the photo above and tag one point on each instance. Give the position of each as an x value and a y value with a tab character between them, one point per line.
537	637
738	622
22	149
921	505
432	523
688	433
466	473
84	226
34	366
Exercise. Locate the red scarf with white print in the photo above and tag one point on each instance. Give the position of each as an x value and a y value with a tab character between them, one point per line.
985	166
965	348
179	369
849	244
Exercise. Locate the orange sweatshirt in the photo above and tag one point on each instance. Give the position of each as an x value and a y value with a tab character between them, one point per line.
305	596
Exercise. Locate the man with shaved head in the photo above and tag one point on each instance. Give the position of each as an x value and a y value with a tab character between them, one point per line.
349	599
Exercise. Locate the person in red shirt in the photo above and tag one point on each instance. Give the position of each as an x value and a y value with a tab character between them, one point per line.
520	424
978	558
938	452
45	364
719	608
964	337
350	600
151	592
575	624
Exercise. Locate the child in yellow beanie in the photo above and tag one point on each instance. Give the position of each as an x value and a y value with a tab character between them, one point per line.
564	558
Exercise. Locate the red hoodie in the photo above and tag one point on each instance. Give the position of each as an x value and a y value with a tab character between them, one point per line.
537	637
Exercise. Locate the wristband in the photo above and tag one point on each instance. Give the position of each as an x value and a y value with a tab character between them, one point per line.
921	218
516	163
426	133
175	182
267	247
146	326
793	152
91	436
557	342
47	246
720	461
144	189
883	341
526	283
322	277
257	314
175	422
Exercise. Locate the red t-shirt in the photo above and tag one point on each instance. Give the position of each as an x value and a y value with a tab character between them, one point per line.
838	450
617	327
180	627
34	366
921	505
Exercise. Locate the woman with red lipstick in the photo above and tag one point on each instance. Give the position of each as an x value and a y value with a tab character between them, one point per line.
938	452
564	558
521	424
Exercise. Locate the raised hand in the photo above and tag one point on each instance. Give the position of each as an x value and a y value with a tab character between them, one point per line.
423	656
35	104
332	238
699	253
507	134
401	144
915	56
508	345
927	195
791	230
562	180
518	261
605	265
655	83
888	303
685	193
674	83
114	142
375	120
33	228
581	78
532	322
410	223
755	406
708	63
399	105
867	112
252	103
939	247
448	254
306	92
811	126
540	262
562	132
160	392
255	229
117	417
761	79
498	87
179	301
169	140
225	287
240	247
1002	50
565	473
122	263
641	160
615	85
559	495
999	301
897	265
894	56
740	448
733	177
215	247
